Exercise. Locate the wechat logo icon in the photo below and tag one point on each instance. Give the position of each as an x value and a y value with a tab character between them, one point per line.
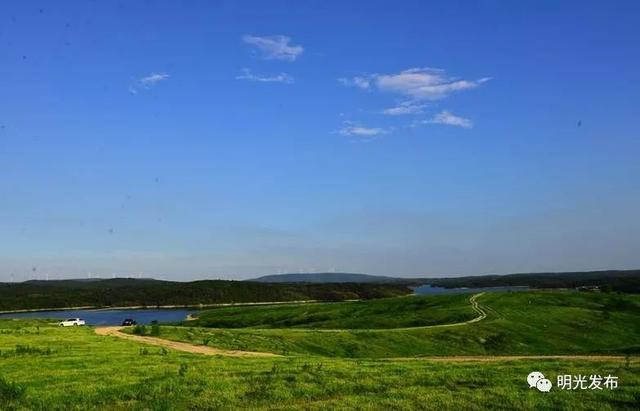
536	380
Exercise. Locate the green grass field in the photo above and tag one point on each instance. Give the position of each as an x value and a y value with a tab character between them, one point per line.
383	313
46	367
521	323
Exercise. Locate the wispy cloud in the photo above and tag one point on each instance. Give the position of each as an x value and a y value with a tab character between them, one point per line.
446	117
274	47
415	83
278	78
358	81
406	107
145	83
352	129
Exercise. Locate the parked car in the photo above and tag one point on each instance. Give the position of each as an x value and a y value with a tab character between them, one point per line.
72	322
129	321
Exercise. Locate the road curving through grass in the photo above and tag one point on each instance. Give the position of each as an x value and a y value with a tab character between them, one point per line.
116	331
179	346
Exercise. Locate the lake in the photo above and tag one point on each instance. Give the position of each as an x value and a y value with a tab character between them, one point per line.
430	290
110	317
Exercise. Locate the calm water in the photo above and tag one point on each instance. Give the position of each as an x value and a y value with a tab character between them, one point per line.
109	317
429	290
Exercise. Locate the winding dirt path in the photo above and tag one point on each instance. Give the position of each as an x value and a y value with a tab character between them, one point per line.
115	331
482	314
179	346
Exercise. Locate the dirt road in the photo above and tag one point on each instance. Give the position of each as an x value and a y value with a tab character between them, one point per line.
180	346
201	349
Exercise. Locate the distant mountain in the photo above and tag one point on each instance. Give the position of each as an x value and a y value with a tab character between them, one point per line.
627	281
325	278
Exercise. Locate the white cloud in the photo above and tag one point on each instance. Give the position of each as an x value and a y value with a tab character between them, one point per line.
416	83
278	78
147	82
445	117
351	129
406	107
274	47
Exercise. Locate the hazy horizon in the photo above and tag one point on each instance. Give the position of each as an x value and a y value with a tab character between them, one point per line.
185	141
53	277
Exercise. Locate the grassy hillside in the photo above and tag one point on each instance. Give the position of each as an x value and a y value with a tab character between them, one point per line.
384	313
133	292
52	368
542	322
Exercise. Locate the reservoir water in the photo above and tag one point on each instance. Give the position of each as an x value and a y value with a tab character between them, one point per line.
165	315
430	290
109	317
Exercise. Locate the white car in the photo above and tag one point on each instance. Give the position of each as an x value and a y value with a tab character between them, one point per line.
71	322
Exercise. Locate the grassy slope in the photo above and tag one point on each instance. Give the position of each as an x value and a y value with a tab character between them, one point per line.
384	313
83	371
517	323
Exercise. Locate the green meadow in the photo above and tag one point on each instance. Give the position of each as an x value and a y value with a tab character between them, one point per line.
385	313
45	367
517	323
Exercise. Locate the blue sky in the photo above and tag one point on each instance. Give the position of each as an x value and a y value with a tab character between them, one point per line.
230	139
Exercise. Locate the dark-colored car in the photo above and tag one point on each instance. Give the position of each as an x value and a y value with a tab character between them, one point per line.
129	321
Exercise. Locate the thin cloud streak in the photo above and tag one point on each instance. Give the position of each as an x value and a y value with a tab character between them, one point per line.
358	81
416	83
145	83
404	108
351	129
274	47
278	78
447	118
